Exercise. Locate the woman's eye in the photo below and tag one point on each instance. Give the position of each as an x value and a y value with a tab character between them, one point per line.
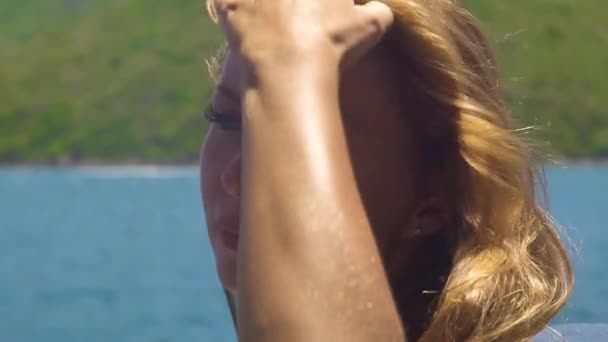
226	122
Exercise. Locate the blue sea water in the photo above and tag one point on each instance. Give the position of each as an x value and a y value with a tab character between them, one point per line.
120	254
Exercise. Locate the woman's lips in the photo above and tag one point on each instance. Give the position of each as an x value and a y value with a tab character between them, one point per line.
229	239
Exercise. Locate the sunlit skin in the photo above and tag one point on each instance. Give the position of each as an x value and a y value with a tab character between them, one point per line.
381	149
382	152
363	181
321	187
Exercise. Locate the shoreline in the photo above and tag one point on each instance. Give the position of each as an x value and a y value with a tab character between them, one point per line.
98	165
168	167
135	164
558	162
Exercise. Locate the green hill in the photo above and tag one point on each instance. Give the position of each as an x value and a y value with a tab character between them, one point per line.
554	58
125	80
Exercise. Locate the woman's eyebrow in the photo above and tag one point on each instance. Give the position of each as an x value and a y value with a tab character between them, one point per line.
228	93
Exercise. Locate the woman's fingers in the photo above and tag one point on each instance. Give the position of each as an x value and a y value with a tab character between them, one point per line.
376	18
264	26
224	7
372	21
230	16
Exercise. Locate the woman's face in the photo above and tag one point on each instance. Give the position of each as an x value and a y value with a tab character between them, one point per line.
381	144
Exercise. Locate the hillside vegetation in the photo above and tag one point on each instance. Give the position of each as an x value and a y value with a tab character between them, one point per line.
125	80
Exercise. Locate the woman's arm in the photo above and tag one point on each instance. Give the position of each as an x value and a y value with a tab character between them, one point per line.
308	267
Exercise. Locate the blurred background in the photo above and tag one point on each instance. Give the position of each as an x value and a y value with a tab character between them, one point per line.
101	229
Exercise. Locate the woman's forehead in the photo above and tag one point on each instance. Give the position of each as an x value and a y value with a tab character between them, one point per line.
372	80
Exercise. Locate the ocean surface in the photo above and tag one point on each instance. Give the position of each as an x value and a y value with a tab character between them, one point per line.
121	254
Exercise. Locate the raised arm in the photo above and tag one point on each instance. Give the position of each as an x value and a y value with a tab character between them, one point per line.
308	267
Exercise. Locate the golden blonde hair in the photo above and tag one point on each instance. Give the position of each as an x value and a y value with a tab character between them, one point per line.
509	272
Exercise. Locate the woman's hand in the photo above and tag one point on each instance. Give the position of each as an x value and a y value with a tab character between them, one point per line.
287	32
308	267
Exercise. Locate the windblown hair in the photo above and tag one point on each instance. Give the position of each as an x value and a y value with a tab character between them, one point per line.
508	272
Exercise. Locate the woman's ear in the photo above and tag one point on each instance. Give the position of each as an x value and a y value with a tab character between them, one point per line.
429	217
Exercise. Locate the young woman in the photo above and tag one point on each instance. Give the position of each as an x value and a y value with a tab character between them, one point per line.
362	179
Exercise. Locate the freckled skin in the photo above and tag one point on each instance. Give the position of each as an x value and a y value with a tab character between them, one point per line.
381	152
381	149
319	202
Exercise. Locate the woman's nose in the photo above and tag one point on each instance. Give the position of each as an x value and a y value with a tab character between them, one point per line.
231	177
